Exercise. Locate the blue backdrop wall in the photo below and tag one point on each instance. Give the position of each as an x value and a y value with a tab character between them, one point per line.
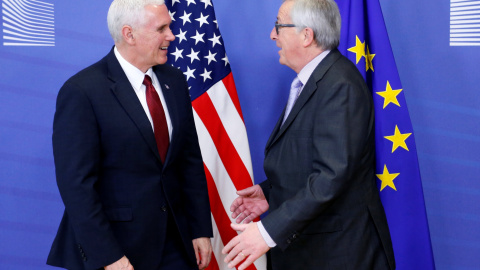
439	82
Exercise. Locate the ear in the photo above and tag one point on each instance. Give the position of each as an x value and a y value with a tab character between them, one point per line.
308	37
127	34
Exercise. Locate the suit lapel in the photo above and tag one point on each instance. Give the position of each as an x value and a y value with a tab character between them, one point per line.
307	92
126	96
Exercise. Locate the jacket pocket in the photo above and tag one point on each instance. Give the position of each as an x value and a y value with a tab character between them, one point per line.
324	224
119	214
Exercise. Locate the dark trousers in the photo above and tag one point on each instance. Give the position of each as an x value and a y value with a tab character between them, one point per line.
174	254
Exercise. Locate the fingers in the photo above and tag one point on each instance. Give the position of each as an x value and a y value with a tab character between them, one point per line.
230	245
249	260
250	218
203	251
238	208
247	191
206	256
241	216
197	256
122	264
238	259
233	256
235	204
238	227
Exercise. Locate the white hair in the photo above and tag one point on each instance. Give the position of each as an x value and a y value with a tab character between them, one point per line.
127	12
322	16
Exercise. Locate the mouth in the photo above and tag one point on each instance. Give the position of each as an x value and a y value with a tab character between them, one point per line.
164	48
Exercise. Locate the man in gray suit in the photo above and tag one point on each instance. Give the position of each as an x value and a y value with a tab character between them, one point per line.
324	207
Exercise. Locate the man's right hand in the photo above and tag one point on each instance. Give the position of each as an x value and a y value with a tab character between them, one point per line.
122	264
250	204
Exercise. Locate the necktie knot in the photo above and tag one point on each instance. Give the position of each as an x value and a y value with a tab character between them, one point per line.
296	84
147	81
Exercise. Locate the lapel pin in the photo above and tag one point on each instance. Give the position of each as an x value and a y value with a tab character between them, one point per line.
167	87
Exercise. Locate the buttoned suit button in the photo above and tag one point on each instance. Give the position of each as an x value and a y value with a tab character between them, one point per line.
164	208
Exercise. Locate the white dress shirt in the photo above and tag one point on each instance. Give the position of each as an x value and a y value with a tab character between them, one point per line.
135	77
304	75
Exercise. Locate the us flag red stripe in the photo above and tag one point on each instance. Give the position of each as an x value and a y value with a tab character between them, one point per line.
199	52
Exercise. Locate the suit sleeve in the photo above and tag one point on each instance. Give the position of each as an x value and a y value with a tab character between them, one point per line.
76	149
195	188
343	117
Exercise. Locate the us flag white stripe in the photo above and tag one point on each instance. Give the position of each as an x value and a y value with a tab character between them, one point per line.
232	122
224	184
212	161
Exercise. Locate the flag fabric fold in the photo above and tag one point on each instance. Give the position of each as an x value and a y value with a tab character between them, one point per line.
198	50
364	40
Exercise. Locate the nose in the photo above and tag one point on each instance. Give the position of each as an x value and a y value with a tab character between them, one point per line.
170	35
273	34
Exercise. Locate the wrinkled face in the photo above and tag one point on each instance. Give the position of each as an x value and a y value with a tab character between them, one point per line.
287	39
152	37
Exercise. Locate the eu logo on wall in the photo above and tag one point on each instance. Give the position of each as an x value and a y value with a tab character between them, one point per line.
28	23
464	23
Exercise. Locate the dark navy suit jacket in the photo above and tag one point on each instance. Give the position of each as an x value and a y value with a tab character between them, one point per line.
117	193
325	211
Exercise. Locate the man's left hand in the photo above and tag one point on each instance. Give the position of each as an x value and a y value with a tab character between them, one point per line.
203	251
248	246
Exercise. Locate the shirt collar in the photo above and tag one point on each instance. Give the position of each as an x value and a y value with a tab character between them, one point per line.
135	76
307	70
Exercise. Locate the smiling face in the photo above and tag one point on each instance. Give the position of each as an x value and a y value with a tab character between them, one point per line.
288	39
152	38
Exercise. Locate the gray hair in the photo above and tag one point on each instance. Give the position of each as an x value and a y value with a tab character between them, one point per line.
322	16
127	12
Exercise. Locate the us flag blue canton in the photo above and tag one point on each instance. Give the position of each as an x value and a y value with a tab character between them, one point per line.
364	40
198	50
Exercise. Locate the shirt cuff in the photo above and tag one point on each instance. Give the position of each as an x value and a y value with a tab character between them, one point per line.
265	235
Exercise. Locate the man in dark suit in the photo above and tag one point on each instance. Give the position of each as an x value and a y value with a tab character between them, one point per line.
127	158
324	207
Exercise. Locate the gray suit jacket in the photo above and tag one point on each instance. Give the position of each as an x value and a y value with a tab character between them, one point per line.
325	211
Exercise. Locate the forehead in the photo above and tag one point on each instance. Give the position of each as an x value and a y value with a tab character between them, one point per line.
284	12
157	14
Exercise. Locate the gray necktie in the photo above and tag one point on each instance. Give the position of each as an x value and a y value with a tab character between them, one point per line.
294	93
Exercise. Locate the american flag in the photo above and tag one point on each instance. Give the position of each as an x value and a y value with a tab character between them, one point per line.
199	52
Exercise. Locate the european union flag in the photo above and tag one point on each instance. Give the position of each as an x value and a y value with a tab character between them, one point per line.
364	40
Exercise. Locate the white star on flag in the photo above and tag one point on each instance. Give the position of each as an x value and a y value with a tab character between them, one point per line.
226	60
206	75
211	57
207	3
202	19
215	40
177	54
193	55
181	36
198	37
189	73
172	15
186	17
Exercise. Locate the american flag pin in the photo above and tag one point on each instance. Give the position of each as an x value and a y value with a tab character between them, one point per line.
166	86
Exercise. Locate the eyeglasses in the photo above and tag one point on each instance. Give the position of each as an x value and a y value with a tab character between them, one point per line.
278	25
